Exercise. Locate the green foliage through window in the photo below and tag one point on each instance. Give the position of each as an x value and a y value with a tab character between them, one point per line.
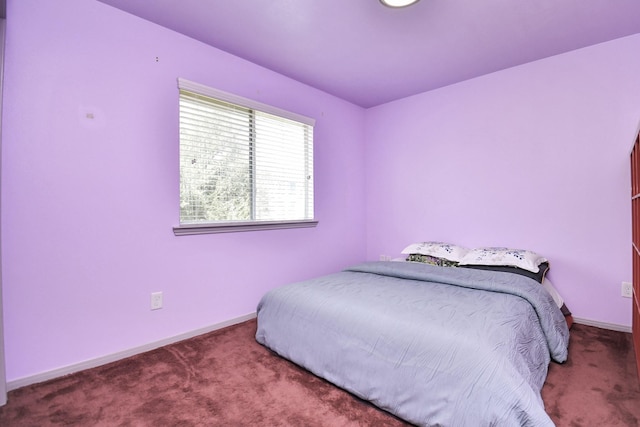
240	164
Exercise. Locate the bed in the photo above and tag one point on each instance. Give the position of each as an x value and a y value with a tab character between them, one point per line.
433	345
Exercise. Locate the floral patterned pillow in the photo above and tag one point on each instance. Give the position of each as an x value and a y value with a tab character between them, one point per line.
520	258
437	249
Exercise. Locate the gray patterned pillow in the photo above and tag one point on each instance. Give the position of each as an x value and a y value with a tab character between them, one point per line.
428	259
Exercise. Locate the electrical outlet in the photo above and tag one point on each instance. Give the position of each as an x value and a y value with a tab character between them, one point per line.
156	300
627	289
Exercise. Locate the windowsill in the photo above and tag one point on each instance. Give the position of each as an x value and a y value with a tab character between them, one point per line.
212	228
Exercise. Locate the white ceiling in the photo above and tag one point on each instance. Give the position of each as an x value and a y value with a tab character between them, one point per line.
369	54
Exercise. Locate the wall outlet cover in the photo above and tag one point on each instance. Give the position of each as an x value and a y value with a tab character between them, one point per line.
627	290
156	300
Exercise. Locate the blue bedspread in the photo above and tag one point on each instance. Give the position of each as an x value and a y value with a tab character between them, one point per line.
436	346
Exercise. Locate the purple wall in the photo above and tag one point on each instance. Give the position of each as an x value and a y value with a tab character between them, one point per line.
535	157
89	204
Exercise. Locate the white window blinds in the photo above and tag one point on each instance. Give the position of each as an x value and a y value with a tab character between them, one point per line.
241	161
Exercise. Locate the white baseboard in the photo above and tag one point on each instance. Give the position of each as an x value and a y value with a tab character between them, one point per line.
603	325
93	363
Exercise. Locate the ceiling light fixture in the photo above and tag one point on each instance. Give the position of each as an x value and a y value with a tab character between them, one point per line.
398	3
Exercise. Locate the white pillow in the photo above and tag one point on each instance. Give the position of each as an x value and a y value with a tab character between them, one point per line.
554	293
527	260
437	249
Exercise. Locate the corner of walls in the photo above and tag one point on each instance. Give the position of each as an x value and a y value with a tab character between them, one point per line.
535	156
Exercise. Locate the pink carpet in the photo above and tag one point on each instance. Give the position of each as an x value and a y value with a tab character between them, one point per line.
225	378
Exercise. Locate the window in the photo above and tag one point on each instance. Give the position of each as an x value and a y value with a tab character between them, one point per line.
243	165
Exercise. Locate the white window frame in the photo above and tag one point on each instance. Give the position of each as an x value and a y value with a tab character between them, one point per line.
238	226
